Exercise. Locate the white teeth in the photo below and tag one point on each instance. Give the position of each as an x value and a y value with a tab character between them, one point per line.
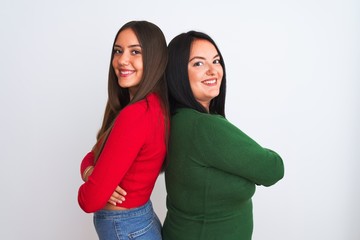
125	72
210	81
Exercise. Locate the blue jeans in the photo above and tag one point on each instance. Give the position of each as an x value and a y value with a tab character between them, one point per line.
139	223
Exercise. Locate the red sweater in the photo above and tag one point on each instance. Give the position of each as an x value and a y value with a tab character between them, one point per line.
132	157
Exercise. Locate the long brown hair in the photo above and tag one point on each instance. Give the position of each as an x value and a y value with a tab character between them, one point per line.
155	56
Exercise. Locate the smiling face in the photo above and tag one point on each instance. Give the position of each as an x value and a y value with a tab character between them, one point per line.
205	71
127	61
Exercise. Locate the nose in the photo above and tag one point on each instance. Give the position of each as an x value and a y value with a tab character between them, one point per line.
211	71
123	59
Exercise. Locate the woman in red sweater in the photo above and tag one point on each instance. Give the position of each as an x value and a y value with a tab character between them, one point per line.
132	142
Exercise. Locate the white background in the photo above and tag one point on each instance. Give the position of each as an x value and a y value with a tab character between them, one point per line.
293	85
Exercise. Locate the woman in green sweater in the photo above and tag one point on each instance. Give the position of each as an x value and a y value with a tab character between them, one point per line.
213	167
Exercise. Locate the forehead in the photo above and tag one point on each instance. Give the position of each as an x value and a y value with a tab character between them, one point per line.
202	47
126	37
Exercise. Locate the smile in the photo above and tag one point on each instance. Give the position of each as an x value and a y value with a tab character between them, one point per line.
125	73
209	82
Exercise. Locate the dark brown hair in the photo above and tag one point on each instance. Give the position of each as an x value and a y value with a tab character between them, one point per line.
154	54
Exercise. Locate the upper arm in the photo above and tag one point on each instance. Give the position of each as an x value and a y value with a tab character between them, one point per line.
228	149
87	161
120	150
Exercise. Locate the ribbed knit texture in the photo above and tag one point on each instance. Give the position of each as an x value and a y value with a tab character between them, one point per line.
132	157
211	177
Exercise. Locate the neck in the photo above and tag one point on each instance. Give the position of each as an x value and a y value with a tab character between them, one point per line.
206	105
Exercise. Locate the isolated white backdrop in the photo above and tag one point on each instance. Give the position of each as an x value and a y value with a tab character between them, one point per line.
293	85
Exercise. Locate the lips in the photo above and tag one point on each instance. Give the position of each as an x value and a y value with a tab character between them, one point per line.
210	82
125	73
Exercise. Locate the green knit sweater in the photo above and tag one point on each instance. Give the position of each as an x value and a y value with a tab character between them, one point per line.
211	177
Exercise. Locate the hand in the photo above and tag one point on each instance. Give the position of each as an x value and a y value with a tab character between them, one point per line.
118	196
88	171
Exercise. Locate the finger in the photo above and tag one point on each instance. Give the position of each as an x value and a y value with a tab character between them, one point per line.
120	191
114	201
116	196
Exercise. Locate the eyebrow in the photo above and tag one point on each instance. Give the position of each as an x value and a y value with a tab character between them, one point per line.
130	46
202	58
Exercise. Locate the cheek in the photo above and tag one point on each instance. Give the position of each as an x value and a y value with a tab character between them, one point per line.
194	77
138	64
221	72
193	86
193	80
114	63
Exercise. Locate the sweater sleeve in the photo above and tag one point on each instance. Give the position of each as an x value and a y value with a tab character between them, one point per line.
120	150
87	161
228	149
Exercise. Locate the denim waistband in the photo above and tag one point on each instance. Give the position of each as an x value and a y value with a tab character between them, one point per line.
139	211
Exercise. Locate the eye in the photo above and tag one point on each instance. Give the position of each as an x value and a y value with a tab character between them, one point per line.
198	64
216	61
135	52
117	51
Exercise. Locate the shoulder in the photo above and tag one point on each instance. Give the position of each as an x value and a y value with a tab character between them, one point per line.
198	117
140	108
197	122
